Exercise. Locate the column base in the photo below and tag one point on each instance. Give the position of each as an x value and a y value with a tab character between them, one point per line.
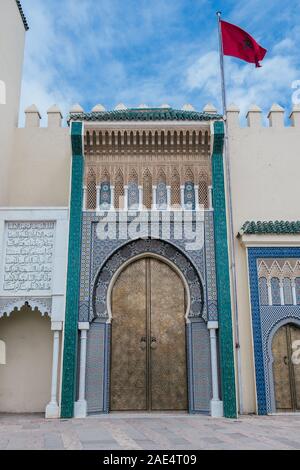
52	411
216	409
80	409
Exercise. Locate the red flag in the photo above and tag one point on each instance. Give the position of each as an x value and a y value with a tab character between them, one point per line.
238	43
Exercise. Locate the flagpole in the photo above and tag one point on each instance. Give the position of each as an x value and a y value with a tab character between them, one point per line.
231	230
221	52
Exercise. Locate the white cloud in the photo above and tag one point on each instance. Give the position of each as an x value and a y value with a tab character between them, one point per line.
246	84
90	52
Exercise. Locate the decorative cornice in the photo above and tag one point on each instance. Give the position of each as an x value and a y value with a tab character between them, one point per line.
277	228
22	15
147	114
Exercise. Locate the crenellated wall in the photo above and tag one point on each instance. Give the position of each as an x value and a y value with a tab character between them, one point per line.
265	168
40	165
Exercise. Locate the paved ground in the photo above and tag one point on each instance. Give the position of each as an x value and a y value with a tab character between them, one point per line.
156	431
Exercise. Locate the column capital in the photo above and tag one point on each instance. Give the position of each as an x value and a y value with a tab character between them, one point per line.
83	326
56	326
212	325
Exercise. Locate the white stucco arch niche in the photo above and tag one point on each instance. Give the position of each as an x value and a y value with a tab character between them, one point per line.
43	306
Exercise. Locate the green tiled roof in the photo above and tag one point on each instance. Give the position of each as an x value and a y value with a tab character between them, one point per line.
278	227
19	5
145	114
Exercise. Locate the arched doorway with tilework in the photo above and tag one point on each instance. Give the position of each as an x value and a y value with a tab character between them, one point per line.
286	367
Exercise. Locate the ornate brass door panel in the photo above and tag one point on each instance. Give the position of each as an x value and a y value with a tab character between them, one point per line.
129	353
295	360
148	362
286	368
168	348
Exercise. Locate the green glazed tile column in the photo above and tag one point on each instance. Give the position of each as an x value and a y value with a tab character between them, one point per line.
223	277
73	274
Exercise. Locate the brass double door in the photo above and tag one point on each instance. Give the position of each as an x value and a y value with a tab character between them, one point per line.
286	368
148	358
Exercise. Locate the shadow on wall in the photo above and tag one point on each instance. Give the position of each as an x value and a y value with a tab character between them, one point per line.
25	380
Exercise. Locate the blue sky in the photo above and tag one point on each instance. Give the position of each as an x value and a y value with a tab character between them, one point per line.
155	52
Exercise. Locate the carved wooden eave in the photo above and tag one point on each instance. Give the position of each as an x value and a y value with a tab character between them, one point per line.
171	137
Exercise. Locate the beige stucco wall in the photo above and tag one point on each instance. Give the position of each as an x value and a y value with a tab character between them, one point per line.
25	380
265	168
40	168
12	38
34	162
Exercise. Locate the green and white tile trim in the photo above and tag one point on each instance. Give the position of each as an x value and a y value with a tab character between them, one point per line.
222	274
73	274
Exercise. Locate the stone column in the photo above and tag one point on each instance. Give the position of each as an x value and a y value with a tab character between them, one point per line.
293	282
270	301
140	198
52	409
84	198
154	188
216	405
281	291
80	409
168	197
210	198
196	189
112	197
98	198
182	196
125	198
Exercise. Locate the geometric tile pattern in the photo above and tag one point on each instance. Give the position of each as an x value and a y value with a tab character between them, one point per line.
105	196
95	368
133	196
210	267
189	196
161	196
265	320
200	370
